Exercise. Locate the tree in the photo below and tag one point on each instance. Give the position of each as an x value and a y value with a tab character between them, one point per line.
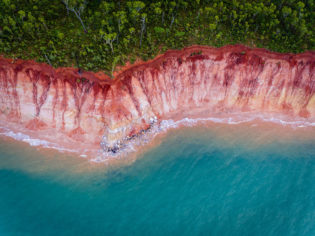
109	38
134	9
286	11
77	7
121	19
143	18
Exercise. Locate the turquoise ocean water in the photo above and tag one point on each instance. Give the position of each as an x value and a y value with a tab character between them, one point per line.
218	180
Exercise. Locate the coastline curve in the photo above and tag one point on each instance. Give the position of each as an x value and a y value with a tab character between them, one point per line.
198	82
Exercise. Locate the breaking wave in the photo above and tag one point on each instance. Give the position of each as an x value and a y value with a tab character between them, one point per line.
160	127
166	125
33	141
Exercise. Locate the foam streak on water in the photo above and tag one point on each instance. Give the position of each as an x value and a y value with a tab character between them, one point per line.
164	126
32	141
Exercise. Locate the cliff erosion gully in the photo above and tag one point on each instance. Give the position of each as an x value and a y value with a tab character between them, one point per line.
90	108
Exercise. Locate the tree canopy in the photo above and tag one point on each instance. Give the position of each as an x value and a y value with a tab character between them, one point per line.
98	35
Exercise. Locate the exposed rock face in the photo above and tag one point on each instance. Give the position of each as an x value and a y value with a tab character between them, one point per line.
87	106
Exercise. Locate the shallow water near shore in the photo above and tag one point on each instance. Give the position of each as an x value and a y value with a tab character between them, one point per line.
215	179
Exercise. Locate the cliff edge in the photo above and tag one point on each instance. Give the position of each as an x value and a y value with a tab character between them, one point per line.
92	108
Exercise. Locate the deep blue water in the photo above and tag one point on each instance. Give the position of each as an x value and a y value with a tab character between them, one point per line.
197	181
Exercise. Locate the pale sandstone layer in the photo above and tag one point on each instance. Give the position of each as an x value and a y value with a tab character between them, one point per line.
89	107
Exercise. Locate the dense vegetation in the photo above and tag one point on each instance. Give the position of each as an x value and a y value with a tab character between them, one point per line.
98	34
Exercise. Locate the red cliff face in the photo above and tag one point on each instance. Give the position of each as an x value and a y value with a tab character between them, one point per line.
89	106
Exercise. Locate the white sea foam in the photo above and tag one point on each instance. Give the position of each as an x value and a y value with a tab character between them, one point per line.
156	129
165	125
33	141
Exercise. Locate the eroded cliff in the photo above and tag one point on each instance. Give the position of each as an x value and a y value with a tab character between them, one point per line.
89	107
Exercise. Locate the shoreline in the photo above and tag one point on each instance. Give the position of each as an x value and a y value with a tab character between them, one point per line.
87	112
144	142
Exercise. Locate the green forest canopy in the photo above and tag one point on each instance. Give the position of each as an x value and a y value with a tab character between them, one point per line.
98	35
